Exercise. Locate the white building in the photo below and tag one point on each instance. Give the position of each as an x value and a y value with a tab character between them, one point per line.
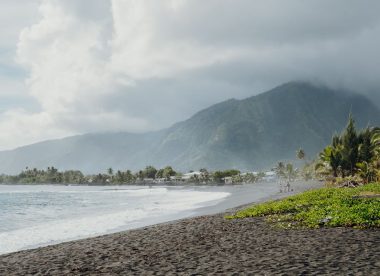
187	176
270	176
227	180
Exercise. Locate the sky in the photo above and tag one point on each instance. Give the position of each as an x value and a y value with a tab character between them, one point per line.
76	66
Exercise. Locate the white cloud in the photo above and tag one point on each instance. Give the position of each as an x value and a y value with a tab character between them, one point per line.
135	65
140	51
20	126
14	16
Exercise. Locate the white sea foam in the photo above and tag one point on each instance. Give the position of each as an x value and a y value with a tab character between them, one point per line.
153	204
138	191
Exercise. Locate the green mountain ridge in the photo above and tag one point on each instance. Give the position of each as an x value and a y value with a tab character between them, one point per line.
248	134
258	131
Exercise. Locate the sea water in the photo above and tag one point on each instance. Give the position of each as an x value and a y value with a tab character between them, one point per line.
35	215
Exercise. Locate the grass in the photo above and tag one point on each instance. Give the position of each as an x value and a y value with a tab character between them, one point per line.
331	207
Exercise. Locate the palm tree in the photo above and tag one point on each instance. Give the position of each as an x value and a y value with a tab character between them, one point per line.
375	143
110	171
290	172
280	169
367	171
350	150
300	154
332	156
365	148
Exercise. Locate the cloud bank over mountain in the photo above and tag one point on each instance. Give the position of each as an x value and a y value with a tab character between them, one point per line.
135	65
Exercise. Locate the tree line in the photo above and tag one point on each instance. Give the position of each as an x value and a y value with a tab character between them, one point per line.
150	174
352	154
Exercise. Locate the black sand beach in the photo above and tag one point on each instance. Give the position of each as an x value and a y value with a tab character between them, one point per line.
207	245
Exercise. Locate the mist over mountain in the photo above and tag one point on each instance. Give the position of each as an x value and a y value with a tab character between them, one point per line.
248	134
375	98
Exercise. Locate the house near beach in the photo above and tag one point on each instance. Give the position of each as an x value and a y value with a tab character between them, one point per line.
227	180
269	176
188	176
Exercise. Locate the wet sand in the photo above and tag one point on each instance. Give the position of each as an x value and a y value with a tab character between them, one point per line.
207	245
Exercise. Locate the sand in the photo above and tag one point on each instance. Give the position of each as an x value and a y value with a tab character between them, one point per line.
207	245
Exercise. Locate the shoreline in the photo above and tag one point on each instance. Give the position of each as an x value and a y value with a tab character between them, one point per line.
239	195
243	199
207	244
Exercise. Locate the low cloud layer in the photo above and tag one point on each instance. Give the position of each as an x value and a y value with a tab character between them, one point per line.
135	65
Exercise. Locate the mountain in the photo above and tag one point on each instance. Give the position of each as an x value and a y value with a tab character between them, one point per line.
252	133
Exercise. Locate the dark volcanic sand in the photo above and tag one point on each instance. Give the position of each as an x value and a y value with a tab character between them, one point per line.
207	245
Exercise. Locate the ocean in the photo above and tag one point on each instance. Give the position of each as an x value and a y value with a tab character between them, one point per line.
31	216
39	215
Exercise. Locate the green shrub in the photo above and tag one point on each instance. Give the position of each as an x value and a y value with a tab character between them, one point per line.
322	207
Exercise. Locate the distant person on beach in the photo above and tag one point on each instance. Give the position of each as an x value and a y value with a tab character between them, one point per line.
287	187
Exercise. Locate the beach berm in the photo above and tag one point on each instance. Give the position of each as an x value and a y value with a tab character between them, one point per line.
350	207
